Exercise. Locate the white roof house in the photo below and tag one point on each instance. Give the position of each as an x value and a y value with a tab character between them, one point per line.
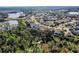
15	15
8	25
12	22
73	13
12	14
34	26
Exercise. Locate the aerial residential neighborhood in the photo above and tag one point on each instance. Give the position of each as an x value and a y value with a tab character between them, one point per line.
39	29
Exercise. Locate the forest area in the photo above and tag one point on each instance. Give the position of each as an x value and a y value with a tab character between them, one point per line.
24	40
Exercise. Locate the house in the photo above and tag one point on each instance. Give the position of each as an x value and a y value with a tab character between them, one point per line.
68	33
57	33
73	13
76	32
8	25
15	15
34	26
11	14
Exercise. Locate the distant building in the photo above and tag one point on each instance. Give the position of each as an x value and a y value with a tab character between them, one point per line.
11	14
73	13
15	15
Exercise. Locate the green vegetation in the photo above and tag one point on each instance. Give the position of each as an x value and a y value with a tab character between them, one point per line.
25	40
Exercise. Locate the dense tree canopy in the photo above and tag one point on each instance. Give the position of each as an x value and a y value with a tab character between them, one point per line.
22	40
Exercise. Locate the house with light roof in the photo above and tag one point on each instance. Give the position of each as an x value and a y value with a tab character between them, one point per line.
8	25
11	14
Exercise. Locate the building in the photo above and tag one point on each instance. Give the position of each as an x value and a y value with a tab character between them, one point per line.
73	13
15	15
11	14
8	25
34	26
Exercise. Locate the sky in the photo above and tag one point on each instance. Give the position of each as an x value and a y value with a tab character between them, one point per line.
39	2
